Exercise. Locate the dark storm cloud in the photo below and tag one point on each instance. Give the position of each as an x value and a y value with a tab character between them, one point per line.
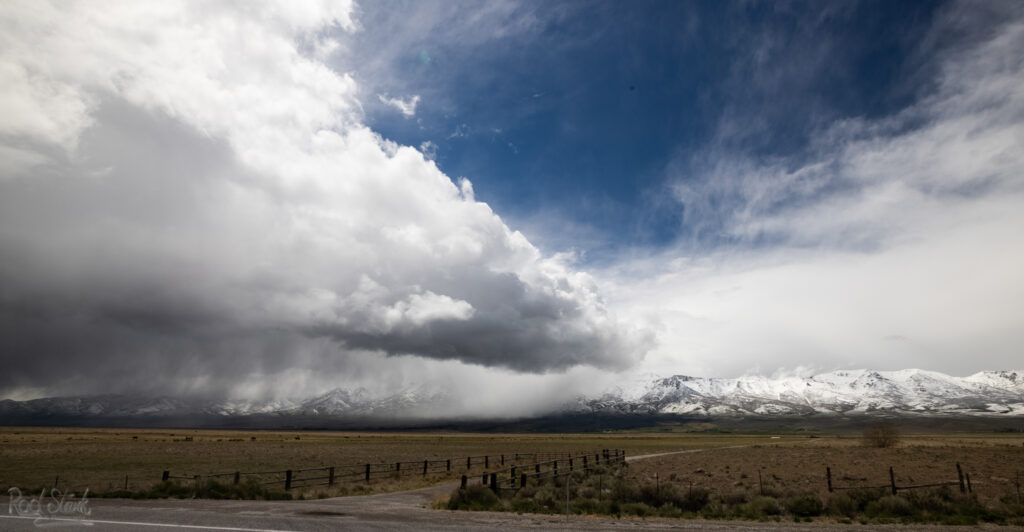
186	231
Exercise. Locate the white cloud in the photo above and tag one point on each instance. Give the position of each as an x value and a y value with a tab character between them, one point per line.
407	107
429	150
204	203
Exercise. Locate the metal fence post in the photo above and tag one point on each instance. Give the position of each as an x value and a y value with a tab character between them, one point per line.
960	475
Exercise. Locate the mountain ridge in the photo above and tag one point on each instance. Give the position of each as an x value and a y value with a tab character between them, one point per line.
837	393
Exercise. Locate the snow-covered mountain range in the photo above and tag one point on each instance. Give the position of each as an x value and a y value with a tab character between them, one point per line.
339	403
847	392
911	391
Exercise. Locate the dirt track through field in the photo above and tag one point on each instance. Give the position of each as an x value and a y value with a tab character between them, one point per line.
656	455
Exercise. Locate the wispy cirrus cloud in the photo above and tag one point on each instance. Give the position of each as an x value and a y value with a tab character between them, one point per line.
904	226
406	106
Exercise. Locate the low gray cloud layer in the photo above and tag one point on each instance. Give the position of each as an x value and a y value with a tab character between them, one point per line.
188	201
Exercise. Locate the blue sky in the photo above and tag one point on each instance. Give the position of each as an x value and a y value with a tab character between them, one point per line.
578	114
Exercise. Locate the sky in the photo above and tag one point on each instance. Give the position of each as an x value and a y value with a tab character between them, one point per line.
262	199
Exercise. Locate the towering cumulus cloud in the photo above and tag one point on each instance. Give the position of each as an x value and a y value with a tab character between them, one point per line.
187	194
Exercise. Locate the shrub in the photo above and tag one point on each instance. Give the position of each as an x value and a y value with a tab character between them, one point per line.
881	435
586	505
473	498
735	498
670	510
624	490
762	506
638	509
694	500
805	506
889	506
170	488
547	498
842	504
861	497
249	489
524	506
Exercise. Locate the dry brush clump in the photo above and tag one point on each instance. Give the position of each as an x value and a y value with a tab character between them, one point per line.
881	435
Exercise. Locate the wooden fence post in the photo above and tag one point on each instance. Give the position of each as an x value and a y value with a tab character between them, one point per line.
597	458
238	476
892	480
463	481
424	468
536	469
584	462
828	477
555	463
167	475
330	477
760	483
448	465
469	462
522	481
512	476
502	459
487	461
367	472
960	475
570	464
288	480
968	476
494	482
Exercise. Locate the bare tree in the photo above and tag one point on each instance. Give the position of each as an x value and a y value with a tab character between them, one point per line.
881	434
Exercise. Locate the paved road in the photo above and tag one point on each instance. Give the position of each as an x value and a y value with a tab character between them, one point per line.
408	510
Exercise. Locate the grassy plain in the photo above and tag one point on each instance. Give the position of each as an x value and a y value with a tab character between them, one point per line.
784	478
994	463
100	459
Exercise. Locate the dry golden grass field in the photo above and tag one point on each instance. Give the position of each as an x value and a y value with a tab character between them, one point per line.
100	459
993	462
